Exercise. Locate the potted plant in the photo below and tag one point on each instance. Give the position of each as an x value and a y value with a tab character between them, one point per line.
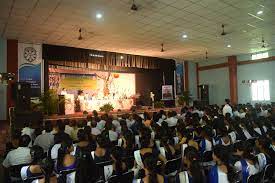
106	108
184	99
159	104
49	102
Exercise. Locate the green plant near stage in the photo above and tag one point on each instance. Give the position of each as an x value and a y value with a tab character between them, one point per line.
159	104
106	108
184	99
49	102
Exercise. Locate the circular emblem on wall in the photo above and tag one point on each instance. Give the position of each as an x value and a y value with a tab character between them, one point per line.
30	54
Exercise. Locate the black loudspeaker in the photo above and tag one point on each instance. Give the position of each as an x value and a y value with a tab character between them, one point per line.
21	94
61	104
204	94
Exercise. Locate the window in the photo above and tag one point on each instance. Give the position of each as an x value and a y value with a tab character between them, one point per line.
259	55
260	90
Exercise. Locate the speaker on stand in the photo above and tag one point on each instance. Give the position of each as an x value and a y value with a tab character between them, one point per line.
21	94
204	95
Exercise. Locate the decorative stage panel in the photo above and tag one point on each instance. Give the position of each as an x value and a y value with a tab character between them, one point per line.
92	89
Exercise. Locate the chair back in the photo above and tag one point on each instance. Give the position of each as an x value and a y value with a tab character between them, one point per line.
257	178
62	175
268	173
173	165
100	169
124	178
15	172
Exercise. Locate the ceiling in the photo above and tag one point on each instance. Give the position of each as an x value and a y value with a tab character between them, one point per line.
142	32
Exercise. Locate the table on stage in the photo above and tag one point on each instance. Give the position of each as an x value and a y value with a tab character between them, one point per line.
91	105
94	104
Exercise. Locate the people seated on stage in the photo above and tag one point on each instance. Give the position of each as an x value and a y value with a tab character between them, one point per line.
45	140
20	155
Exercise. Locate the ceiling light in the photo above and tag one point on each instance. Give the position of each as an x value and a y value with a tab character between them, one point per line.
121	57
99	15
184	36
229	46
260	12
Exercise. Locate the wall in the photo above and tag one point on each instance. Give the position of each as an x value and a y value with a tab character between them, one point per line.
192	80
258	71
3	88
218	81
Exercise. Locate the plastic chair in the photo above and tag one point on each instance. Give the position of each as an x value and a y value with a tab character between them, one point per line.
124	178
173	166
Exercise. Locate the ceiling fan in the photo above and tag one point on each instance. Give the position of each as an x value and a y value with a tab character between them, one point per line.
134	6
162	49
80	35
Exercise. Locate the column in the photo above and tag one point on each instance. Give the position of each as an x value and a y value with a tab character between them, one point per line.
233	82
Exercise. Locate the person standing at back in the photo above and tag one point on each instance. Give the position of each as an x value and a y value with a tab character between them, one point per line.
227	108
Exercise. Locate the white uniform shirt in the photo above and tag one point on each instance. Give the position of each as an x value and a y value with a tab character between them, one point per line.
172	121
227	109
18	156
45	140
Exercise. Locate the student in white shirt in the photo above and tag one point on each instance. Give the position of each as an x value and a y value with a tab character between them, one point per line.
68	127
222	172
20	155
45	140
227	108
27	130
171	120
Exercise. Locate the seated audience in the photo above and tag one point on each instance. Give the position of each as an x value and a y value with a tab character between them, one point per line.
45	140
20	155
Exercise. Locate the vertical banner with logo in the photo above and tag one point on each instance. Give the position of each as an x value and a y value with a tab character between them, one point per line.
167	92
179	79
30	64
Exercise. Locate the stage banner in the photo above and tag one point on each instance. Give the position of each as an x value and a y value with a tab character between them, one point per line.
179	79
167	92
29	64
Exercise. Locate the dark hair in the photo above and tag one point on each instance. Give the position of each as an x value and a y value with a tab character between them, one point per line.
48	126
81	135
145	141
195	168
87	130
227	101
102	141
221	152
265	143
117	152
248	153
150	163
62	151
60	125
24	140
37	153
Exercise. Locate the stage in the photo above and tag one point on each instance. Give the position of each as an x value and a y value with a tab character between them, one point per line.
81	116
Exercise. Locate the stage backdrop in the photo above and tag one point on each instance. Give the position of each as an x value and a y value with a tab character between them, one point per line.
95	84
150	72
